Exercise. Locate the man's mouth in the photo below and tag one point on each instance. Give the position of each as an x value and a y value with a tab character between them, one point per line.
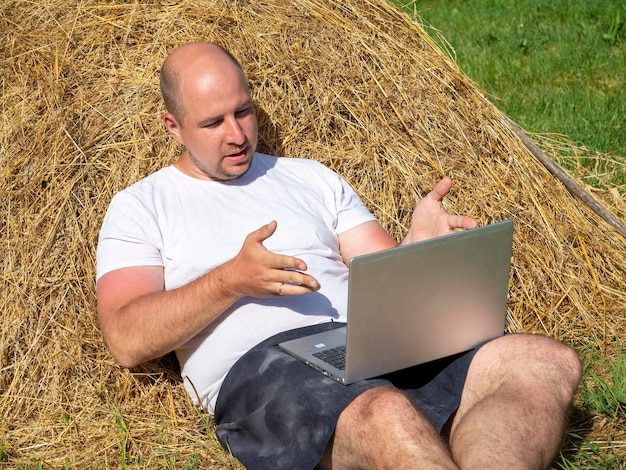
237	156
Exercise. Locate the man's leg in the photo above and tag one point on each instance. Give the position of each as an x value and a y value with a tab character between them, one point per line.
382	429
512	414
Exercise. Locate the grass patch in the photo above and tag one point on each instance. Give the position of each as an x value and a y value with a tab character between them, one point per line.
604	384
590	456
552	66
601	401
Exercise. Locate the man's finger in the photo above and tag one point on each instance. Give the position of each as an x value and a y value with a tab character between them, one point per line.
297	278
460	221
262	233
441	189
286	288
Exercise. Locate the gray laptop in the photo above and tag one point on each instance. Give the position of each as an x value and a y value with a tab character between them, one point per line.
416	303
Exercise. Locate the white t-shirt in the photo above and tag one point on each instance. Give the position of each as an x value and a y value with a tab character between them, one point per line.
189	226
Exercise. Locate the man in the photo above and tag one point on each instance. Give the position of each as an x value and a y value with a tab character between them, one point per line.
229	248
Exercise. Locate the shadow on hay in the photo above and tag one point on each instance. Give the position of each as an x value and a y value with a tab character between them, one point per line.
164	368
579	428
269	132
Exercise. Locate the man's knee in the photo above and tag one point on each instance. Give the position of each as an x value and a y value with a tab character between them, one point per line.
382	427
385	409
572	368
380	401
528	360
550	358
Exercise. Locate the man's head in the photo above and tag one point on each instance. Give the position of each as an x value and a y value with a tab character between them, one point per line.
210	111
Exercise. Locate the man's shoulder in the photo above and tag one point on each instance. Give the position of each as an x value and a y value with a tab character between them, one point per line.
300	172
146	191
151	182
294	165
295	161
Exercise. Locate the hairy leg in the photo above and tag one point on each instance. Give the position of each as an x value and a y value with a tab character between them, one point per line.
517	394
383	429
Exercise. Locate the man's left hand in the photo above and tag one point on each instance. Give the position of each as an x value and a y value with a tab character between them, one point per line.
430	218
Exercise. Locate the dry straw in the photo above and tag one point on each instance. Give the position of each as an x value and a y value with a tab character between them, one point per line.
354	84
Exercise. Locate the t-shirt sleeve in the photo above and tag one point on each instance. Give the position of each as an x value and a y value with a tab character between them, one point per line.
129	236
349	207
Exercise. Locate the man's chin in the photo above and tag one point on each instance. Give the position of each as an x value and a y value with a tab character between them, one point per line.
234	175
231	172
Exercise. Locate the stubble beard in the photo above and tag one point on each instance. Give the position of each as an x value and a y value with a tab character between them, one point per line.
220	173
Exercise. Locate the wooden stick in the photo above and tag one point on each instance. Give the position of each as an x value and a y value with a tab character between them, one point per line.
570	183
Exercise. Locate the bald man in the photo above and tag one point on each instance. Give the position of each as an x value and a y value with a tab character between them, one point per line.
228	252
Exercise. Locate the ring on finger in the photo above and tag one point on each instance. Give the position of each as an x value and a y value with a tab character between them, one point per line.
280	288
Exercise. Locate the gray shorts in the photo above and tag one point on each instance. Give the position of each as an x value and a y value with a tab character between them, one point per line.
275	412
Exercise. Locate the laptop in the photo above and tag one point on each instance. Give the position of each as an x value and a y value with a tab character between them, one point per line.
416	303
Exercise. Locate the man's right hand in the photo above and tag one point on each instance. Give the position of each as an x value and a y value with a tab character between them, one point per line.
258	272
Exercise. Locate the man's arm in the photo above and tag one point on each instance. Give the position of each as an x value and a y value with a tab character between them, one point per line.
367	237
141	321
429	220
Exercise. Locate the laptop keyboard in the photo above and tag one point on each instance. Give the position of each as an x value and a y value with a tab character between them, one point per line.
336	357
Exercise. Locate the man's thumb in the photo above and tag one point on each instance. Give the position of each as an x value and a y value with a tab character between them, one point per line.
264	232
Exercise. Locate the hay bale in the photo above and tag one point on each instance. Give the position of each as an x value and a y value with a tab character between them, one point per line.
356	85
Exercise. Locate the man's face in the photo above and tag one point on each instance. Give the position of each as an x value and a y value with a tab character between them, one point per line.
219	127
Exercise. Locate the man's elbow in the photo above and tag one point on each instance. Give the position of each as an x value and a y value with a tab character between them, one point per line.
123	355
120	344
127	361
122	347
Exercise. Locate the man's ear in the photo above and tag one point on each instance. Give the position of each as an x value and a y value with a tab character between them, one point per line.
172	126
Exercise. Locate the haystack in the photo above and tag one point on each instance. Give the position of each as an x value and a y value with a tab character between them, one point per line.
357	85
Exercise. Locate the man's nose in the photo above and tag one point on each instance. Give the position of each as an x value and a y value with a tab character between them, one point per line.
235	133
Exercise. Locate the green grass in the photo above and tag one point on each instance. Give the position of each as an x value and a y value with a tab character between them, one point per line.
607	397
602	394
553	66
